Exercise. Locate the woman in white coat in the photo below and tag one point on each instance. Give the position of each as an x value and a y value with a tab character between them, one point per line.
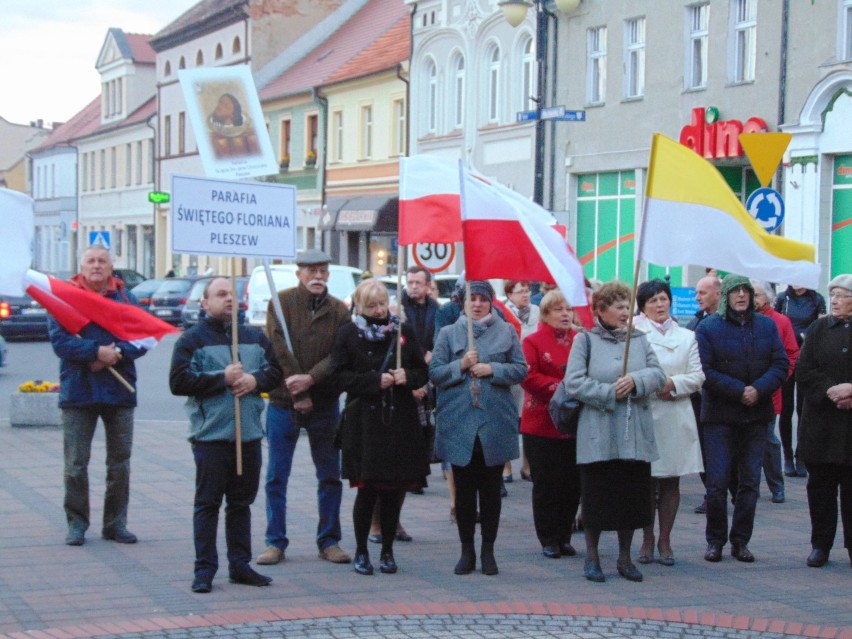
674	420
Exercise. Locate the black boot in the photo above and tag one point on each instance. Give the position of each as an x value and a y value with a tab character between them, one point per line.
489	564
467	561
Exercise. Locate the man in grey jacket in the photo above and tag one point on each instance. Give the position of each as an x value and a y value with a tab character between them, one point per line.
203	369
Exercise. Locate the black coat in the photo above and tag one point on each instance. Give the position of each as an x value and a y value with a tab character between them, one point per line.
825	361
381	437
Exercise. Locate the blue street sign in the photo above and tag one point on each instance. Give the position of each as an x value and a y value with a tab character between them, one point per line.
551	113
573	116
526	116
767	207
99	238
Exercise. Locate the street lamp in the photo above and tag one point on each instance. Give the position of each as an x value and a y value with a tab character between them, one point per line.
515	11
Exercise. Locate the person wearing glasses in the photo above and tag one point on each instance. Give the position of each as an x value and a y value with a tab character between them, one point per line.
306	398
824	373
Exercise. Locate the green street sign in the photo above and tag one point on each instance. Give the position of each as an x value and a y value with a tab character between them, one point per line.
159	197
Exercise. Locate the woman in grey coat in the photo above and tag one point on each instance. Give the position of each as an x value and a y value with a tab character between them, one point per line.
476	417
615	438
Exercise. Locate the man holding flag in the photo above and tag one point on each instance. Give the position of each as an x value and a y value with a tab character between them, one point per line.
88	391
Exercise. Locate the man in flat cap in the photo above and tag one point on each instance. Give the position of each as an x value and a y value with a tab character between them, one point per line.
307	398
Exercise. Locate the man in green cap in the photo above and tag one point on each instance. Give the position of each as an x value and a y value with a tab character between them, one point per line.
744	363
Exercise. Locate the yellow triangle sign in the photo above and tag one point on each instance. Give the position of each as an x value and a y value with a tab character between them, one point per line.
765	151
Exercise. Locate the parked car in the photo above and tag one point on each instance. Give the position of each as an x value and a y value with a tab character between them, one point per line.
22	317
192	308
2	352
342	281
144	291
131	278
168	300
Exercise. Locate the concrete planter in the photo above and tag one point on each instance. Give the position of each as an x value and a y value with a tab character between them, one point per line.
27	410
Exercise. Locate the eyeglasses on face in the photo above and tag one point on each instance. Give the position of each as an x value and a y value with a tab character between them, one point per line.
838	295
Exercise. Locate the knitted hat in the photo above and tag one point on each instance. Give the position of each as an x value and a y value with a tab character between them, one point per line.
729	284
841	281
484	288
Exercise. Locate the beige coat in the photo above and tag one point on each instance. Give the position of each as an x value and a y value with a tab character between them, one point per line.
674	420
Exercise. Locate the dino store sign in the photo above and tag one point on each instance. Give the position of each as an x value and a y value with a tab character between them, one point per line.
714	139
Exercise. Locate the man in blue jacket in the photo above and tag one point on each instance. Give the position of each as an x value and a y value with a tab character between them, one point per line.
89	391
744	363
203	370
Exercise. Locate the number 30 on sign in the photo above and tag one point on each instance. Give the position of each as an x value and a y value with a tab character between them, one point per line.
434	257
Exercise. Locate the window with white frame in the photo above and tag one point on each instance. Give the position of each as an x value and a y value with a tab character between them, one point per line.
366	131
528	75
400	127
634	58
432	97
84	171
128	164
596	65
743	40
697	28
337	135
113	167
845	24
493	61
139	162
457	108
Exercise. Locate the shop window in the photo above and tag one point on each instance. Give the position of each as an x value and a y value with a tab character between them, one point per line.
596	66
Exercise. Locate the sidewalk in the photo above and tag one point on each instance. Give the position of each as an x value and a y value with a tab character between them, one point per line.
52	591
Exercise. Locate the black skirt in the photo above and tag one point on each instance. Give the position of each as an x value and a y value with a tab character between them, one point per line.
616	495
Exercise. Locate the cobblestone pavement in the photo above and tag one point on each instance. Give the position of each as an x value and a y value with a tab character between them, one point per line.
52	591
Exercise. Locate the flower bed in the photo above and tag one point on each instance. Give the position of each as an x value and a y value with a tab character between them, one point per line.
36	404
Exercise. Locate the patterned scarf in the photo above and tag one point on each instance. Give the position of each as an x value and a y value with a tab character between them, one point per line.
522	314
665	327
376	330
620	334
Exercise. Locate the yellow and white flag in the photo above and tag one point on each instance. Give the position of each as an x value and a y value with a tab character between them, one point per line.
693	217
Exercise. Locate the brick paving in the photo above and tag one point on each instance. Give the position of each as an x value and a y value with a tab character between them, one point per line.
52	591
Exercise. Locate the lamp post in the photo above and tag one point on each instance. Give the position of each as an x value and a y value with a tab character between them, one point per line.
515	12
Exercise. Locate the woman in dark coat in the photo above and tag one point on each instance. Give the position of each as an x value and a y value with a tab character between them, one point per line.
384	451
824	373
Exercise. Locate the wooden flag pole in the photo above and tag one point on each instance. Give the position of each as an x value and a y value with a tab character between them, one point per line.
630	318
235	359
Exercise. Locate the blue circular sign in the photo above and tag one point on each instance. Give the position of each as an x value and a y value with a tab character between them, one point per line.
767	207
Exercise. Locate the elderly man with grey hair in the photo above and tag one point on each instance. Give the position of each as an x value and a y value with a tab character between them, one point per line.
764	298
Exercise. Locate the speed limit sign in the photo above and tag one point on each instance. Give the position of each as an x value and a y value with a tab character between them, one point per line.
434	257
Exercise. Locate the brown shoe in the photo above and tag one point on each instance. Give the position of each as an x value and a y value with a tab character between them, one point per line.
270	556
335	555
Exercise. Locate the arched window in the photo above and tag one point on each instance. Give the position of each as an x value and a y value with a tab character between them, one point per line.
457	107
432	97
181	63
237	47
199	58
218	54
493	61
167	69
528	75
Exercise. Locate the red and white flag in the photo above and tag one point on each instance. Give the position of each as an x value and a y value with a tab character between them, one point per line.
74	307
508	236
429	209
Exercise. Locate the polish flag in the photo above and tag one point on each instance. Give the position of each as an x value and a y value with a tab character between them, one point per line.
508	236
74	308
429	210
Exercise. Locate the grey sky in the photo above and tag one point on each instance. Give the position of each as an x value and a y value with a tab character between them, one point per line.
49	49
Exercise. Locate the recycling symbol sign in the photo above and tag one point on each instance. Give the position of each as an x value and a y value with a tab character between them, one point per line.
767	207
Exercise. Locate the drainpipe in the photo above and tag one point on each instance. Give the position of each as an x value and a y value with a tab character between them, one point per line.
782	80
408	82
554	57
323	104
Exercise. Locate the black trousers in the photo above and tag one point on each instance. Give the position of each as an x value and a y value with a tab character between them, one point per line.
478	480
823	483
556	487
790	395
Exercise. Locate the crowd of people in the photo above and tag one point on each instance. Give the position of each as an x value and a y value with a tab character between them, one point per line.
462	384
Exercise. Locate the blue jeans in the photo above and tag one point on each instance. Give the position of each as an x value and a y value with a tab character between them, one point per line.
772	463
78	429
727	446
216	477
282	434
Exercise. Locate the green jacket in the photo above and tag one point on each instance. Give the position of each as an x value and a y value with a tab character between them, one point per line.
312	334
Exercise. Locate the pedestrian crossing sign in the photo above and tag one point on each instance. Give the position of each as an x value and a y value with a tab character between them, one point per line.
99	238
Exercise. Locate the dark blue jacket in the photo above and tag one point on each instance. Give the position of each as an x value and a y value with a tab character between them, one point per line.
79	387
735	355
801	309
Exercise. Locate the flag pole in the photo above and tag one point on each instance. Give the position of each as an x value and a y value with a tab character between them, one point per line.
470	343
400	308
639	254
235	357
115	373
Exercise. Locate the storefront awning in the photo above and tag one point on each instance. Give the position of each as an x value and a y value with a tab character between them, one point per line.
376	212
